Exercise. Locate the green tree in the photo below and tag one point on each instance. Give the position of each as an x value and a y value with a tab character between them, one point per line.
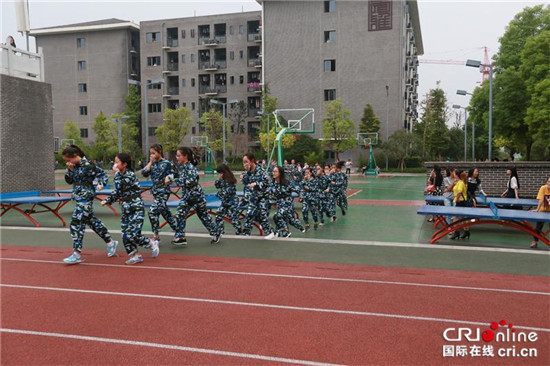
535	70
105	137
129	132
133	105
435	137
399	146
73	132
478	114
370	122
174	128
213	123
237	119
338	128
303	146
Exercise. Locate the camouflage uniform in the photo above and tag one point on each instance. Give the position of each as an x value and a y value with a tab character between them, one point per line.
229	207
326	199
256	200
282	194
82	178
339	187
128	192
161	192
192	196
309	193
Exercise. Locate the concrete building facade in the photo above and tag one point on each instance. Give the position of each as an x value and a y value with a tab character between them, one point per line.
361	51
88	66
200	59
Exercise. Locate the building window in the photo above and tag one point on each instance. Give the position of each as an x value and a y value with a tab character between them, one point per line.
241	54
192	106
330	36
241	29
241	79
84	133
231	30
154	108
330	94
182	83
82	65
82	88
152	37
232	55
153	61
80	42
83	110
193	130
192	57
183	33
183	58
156	86
330	65
192	32
330	6
152	131
192	82
231	80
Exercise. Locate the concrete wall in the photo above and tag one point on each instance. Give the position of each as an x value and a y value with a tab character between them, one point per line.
26	135
532	175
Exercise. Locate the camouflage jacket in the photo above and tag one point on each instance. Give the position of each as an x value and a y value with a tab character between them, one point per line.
158	172
186	176
126	188
310	189
84	177
227	193
259	177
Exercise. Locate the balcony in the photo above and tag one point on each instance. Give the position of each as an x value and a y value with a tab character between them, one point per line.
220	39
172	42
209	42
255	62
254	87
173	90
22	64
172	66
252	36
211	67
258	38
254	112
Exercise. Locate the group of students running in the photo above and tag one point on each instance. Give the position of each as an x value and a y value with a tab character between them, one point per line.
319	191
459	189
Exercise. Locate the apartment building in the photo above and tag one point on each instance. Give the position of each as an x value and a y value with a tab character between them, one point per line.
360	51
88	65
190	61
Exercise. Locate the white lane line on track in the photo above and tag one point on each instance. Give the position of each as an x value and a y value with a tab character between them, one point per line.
260	274
353	194
261	305
324	241
166	346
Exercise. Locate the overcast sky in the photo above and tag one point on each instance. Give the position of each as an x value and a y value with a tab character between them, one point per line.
451	30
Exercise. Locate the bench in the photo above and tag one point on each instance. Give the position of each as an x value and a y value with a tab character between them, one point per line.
12	201
472	216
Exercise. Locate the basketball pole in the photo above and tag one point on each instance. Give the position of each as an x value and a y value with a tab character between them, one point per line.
371	170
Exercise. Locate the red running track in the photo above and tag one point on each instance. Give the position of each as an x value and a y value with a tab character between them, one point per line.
188	307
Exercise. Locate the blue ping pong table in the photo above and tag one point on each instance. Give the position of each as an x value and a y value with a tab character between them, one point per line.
12	201
473	216
98	195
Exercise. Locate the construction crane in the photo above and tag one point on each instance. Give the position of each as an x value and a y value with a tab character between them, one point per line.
445	62
484	70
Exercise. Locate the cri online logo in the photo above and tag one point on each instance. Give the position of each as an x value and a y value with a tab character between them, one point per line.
473	335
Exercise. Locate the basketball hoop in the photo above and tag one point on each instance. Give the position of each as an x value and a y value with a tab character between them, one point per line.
367	145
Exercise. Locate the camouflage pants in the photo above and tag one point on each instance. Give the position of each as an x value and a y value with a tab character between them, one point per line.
326	207
83	215
257	211
230	210
131	222
310	205
159	208
342	200
199	204
285	216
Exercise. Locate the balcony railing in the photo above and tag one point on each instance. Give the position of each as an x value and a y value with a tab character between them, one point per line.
172	66
208	42
203	89
221	88
252	62
211	67
173	90
22	64
172	42
253	112
220	39
254	87
252	36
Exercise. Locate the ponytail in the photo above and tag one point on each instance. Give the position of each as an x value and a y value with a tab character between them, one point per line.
191	157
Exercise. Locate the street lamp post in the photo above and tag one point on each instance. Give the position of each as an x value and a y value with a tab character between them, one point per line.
464	92
231	101
119	122
456	106
387	119
478	64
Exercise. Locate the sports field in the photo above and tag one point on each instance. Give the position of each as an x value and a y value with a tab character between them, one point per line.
367	289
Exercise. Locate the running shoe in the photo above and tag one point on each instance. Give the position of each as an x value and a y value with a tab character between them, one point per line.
111	248
154	246
180	242
75	258
270	236
216	238
136	258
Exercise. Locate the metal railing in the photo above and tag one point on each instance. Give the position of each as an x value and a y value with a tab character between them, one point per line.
22	64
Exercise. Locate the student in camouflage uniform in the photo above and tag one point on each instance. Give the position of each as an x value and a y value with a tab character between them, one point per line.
281	191
309	195
326	201
82	174
256	200
339	187
227	193
158	169
186	176
128	192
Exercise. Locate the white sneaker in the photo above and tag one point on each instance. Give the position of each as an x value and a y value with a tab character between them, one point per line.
154	248
270	236
111	248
